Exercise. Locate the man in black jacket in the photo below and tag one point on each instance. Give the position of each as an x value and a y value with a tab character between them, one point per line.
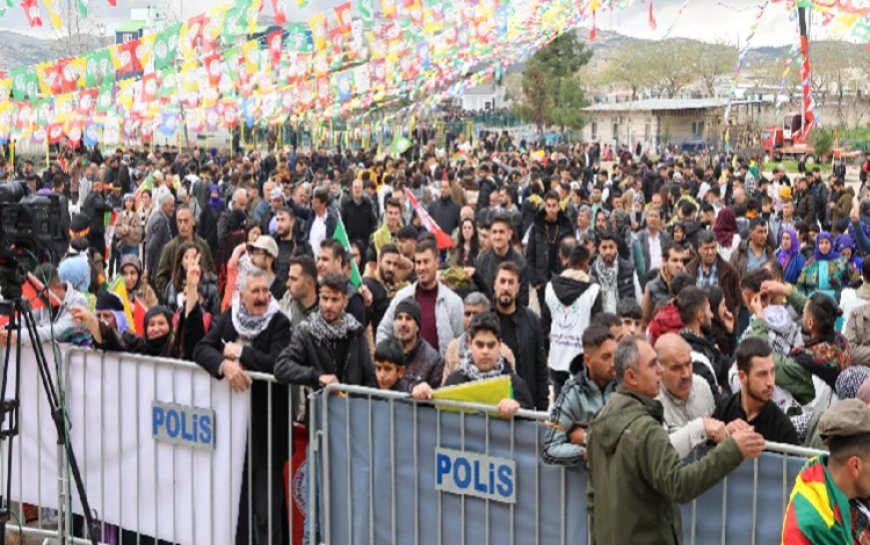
521	332
358	214
500	236
330	346
542	252
444	210
708	361
95	208
249	337
422	362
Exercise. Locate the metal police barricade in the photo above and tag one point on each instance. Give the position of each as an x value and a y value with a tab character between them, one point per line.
390	470
165	454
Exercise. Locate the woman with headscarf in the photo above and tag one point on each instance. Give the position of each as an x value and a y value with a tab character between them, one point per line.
847	248
826	271
214	199
157	340
727	233
789	256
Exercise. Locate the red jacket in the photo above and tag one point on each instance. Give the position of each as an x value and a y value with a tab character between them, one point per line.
666	320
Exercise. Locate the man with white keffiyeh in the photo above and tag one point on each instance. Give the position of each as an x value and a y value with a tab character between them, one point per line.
249	338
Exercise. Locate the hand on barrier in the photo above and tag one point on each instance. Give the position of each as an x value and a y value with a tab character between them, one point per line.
233	351
235	373
735	425
508	407
422	391
326	380
751	444
715	430
577	436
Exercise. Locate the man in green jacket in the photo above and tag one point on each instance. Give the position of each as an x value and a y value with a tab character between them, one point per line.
636	477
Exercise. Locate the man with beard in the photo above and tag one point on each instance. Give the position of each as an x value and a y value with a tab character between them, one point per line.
753	403
250	337
616	276
521	332
387	233
285	224
709	269
382	283
332	258
500	234
708	361
300	297
658	291
423	364
440	308
329	347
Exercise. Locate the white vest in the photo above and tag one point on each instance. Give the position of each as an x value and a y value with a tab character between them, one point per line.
567	326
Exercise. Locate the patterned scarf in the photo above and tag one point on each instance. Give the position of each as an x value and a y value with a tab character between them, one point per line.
249	326
473	372
825	357
321	329
607	279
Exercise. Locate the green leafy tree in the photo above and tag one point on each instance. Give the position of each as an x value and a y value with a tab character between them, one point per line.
823	142
552	95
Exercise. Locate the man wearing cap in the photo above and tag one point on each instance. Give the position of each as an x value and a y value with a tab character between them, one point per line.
827	498
186	233
264	252
422	362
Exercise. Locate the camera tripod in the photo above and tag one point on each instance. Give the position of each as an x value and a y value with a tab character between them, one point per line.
20	315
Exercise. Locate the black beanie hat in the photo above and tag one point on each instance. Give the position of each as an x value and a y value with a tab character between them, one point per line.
410	307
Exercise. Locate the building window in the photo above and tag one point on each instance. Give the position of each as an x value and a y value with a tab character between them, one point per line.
647	130
615	130
487	105
594	130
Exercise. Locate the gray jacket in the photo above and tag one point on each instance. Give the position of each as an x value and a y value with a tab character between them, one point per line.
449	314
579	400
63	324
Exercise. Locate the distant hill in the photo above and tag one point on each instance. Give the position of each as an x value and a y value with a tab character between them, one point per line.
23	50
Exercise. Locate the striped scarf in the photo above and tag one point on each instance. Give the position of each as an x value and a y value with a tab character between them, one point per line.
818	512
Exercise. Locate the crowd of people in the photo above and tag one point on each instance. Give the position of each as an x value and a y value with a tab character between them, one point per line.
728	303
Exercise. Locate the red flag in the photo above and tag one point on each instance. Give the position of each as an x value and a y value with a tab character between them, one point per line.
652	18
30	290
592	31
280	16
139	316
31	10
442	238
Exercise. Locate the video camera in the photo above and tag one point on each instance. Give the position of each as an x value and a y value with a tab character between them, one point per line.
30	229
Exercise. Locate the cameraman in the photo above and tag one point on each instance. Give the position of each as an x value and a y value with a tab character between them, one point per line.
50	320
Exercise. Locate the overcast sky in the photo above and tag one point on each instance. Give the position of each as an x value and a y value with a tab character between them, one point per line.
707	20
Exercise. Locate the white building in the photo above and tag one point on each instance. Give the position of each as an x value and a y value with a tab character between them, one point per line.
486	96
682	122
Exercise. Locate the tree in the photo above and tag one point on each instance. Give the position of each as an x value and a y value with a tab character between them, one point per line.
630	66
674	62
77	35
715	60
552	95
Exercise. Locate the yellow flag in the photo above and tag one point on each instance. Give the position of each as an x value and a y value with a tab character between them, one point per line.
485	392
120	289
52	14
318	31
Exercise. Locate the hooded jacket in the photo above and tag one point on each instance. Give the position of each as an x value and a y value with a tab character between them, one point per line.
571	299
666	320
843	206
634	469
708	362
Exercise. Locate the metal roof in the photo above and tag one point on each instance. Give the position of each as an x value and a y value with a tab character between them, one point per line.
664	104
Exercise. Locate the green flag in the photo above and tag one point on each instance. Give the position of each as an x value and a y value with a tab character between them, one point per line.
341	235
400	144
166	47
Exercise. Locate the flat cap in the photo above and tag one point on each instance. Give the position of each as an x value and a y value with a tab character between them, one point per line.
845	418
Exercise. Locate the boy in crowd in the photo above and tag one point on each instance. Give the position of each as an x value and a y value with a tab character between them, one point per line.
389	365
